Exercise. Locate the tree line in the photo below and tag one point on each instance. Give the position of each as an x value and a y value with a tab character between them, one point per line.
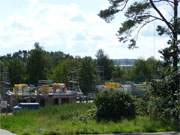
38	64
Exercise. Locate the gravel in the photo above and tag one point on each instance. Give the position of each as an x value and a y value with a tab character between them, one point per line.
5	132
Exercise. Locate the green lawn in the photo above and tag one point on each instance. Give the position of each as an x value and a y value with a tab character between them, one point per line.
72	119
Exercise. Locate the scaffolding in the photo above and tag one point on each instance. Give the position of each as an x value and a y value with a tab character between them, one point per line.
73	77
4	82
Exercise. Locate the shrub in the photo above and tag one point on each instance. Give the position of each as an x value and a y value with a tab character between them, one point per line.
142	102
165	99
141	105
53	133
114	106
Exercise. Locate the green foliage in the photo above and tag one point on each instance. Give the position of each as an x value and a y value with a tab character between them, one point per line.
110	12
82	69
141	72
117	74
60	72
138	14
16	70
36	64
121	74
137	9
57	57
105	64
3	68
65	119
145	70
114	106
87	75
30	66
65	70
165	99
142	105
126	26
15	66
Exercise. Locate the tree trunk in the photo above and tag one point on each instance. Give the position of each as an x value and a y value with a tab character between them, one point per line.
175	44
175	37
175	56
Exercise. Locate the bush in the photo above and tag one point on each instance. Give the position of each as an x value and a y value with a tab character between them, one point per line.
165	99
114	106
141	105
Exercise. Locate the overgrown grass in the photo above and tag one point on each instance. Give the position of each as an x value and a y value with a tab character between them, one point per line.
72	119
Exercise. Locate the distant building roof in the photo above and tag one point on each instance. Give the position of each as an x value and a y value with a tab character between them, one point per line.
124	62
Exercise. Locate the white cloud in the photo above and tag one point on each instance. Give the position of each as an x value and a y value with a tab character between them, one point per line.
65	27
33	2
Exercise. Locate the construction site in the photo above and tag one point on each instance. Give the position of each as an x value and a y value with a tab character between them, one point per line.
45	92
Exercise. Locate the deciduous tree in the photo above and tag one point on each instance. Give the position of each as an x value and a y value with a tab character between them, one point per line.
36	64
105	64
87	75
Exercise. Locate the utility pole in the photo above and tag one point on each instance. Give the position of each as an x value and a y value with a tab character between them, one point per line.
74	79
100	71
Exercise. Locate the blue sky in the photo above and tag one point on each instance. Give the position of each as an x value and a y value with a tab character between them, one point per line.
71	26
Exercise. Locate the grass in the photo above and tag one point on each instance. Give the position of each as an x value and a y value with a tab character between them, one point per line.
72	119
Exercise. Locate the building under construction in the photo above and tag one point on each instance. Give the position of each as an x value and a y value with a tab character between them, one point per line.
45	93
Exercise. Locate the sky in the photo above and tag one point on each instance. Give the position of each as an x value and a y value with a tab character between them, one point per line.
71	26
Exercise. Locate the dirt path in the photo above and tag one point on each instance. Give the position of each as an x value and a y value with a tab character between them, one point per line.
5	132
